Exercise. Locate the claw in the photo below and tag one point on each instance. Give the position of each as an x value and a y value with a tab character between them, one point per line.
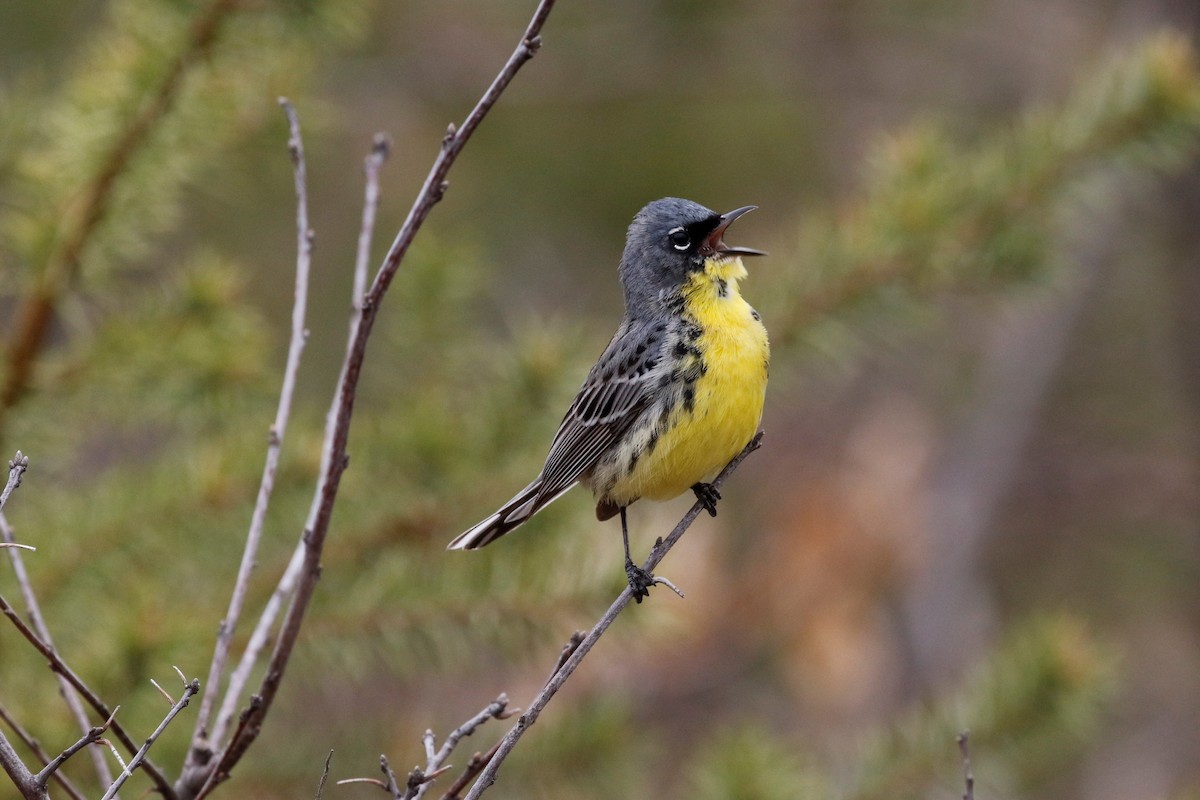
708	496
640	581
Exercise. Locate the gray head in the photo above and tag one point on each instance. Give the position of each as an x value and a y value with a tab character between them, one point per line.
668	240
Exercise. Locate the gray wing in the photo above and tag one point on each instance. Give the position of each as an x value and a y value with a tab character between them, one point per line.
615	393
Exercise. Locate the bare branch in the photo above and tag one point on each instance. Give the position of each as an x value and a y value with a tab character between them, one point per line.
419	780
968	776
497	709
661	548
390	786
140	756
474	767
42	756
373	163
16	468
19	774
201	748
287	583
324	776
93	735
334	457
72	684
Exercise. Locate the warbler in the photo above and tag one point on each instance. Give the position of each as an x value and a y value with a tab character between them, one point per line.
677	393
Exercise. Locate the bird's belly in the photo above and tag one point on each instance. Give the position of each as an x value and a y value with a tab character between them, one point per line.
726	408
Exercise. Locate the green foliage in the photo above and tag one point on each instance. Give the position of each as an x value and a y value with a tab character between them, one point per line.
750	763
158	93
936	216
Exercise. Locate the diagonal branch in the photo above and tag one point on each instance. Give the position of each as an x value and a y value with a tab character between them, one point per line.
661	548
196	783
139	757
91	737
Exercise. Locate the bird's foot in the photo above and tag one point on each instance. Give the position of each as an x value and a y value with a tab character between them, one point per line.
640	581
708	496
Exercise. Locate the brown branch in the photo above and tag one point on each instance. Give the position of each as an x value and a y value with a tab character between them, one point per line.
338	420
66	674
474	767
201	748
661	548
37	308
36	748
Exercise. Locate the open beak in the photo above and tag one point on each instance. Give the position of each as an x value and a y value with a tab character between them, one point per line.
714	243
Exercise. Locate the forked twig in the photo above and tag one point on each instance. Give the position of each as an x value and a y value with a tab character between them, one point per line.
188	691
43	757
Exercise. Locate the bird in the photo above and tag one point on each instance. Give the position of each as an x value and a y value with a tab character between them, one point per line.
676	394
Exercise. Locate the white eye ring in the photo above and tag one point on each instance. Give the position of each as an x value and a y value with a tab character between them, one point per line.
679	238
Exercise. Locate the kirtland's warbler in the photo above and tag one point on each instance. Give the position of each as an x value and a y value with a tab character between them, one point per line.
677	393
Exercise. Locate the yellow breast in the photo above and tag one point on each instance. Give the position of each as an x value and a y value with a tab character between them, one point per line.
727	399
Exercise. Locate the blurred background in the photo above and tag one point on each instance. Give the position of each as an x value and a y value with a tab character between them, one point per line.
978	503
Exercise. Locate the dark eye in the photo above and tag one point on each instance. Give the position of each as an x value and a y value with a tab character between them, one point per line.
680	239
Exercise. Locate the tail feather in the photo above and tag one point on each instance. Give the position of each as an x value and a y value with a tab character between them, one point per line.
512	514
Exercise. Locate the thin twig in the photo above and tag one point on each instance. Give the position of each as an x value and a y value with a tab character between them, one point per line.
43	757
380	148
17	468
140	756
324	776
338	421
390	785
201	749
419	780
968	776
488	776
497	709
261	635
568	650
93	735
75	684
